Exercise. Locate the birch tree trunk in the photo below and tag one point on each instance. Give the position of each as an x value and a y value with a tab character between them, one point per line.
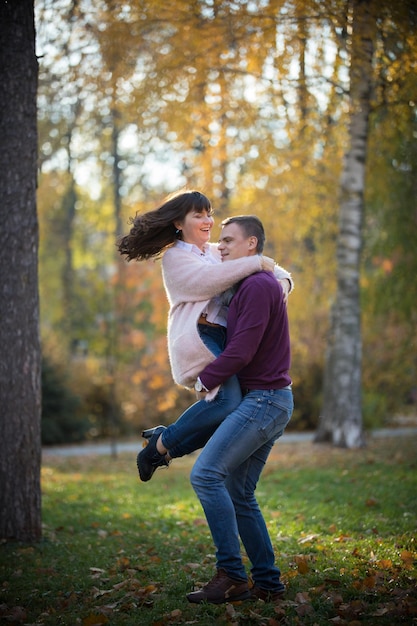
341	419
20	389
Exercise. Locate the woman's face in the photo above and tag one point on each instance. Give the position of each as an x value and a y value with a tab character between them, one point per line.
196	228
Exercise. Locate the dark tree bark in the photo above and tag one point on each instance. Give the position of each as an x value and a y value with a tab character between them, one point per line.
20	404
341	419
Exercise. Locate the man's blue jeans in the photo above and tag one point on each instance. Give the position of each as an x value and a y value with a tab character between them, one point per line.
195	426
225	476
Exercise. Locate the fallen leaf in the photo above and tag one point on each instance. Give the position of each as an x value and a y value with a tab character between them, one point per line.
15	614
123	562
98	593
351	610
95	619
302	597
336	598
97	570
369	582
342	538
308	538
407	557
302	564
304	609
379	612
334	582
280	611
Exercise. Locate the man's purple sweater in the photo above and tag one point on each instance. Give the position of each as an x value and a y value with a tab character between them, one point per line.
258	342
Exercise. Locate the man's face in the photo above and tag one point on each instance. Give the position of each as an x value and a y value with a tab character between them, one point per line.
234	244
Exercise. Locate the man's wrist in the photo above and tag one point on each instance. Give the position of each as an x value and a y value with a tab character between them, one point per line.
199	387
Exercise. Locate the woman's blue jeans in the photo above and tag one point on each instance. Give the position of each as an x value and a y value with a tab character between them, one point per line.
195	426
225	476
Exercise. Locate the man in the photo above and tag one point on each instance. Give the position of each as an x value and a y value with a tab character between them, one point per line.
226	473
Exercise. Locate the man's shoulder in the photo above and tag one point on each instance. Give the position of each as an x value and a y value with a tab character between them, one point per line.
260	278
260	282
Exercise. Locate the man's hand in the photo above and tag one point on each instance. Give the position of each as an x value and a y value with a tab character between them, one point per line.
212	394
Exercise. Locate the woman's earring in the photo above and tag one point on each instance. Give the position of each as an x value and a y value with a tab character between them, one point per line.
177	231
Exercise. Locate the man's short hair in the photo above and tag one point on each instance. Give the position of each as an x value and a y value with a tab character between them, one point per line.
251	226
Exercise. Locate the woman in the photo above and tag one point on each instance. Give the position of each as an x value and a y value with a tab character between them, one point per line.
194	279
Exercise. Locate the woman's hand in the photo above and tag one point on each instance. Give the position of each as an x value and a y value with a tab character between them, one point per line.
267	263
286	288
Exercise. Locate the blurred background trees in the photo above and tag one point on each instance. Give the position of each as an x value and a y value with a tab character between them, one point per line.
248	102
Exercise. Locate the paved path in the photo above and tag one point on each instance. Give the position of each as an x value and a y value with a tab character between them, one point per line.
112	448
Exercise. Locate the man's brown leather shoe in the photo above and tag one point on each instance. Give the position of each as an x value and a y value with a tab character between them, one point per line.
221	589
267	596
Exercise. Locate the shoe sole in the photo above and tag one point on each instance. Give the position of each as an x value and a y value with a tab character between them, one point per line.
269	600
147	434
141	476
243	596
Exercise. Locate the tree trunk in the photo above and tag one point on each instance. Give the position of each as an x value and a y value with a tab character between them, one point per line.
20	406
69	201
341	419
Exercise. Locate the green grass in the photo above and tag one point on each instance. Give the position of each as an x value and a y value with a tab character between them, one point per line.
117	551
